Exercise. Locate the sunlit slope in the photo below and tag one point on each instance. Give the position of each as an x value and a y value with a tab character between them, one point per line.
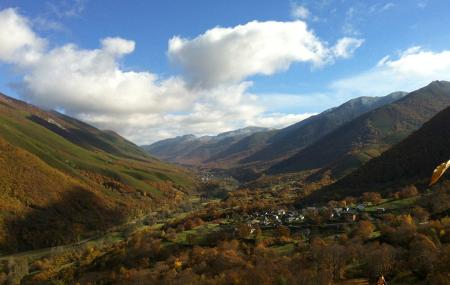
76	148
50	161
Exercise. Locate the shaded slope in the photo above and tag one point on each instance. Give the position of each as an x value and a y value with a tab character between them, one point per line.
410	161
369	135
289	140
29	193
242	148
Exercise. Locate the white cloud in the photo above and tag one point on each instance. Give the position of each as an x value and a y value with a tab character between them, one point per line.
256	48
346	46
91	81
18	43
413	69
299	12
92	85
234	54
118	46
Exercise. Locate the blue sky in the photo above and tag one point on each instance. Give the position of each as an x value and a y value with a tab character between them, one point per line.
329	52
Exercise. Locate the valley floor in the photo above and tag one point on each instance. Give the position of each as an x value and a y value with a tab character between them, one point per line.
256	237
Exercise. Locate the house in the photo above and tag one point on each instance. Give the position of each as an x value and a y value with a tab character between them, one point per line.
349	217
381	210
360	207
338	211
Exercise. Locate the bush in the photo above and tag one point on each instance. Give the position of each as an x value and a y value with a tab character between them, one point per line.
372	197
408	191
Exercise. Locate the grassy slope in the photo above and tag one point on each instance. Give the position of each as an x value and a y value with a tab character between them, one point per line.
97	163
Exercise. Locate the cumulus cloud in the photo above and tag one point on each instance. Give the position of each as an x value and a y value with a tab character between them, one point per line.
411	69
18	43
91	81
256	48
118	46
90	84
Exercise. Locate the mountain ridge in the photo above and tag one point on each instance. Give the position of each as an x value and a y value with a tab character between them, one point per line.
411	161
241	153
370	134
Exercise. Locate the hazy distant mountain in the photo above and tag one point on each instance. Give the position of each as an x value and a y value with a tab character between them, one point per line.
290	140
192	150
369	135
62	178
410	161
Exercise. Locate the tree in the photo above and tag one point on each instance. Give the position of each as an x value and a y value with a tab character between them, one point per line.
420	214
283	231
243	230
409	191
379	260
422	256
364	230
372	197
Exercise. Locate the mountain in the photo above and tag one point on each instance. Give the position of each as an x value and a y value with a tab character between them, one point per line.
370	134
259	148
192	150
290	140
409	162
71	179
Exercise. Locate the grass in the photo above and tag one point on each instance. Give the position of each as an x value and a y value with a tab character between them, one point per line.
391	204
284	249
199	234
70	158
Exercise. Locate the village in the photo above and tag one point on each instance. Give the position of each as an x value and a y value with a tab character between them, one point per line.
310	216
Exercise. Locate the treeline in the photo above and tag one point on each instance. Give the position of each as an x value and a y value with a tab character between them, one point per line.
408	247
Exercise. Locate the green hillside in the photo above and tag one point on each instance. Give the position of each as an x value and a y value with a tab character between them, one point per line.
118	173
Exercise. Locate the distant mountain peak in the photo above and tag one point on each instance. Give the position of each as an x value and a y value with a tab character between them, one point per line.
244	131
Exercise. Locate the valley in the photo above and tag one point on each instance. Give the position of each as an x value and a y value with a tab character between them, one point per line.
114	214
225	142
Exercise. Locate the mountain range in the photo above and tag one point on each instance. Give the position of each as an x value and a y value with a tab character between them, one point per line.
367	136
194	151
327	146
258	147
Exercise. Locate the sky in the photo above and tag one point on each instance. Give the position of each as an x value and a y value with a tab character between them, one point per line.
150	70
